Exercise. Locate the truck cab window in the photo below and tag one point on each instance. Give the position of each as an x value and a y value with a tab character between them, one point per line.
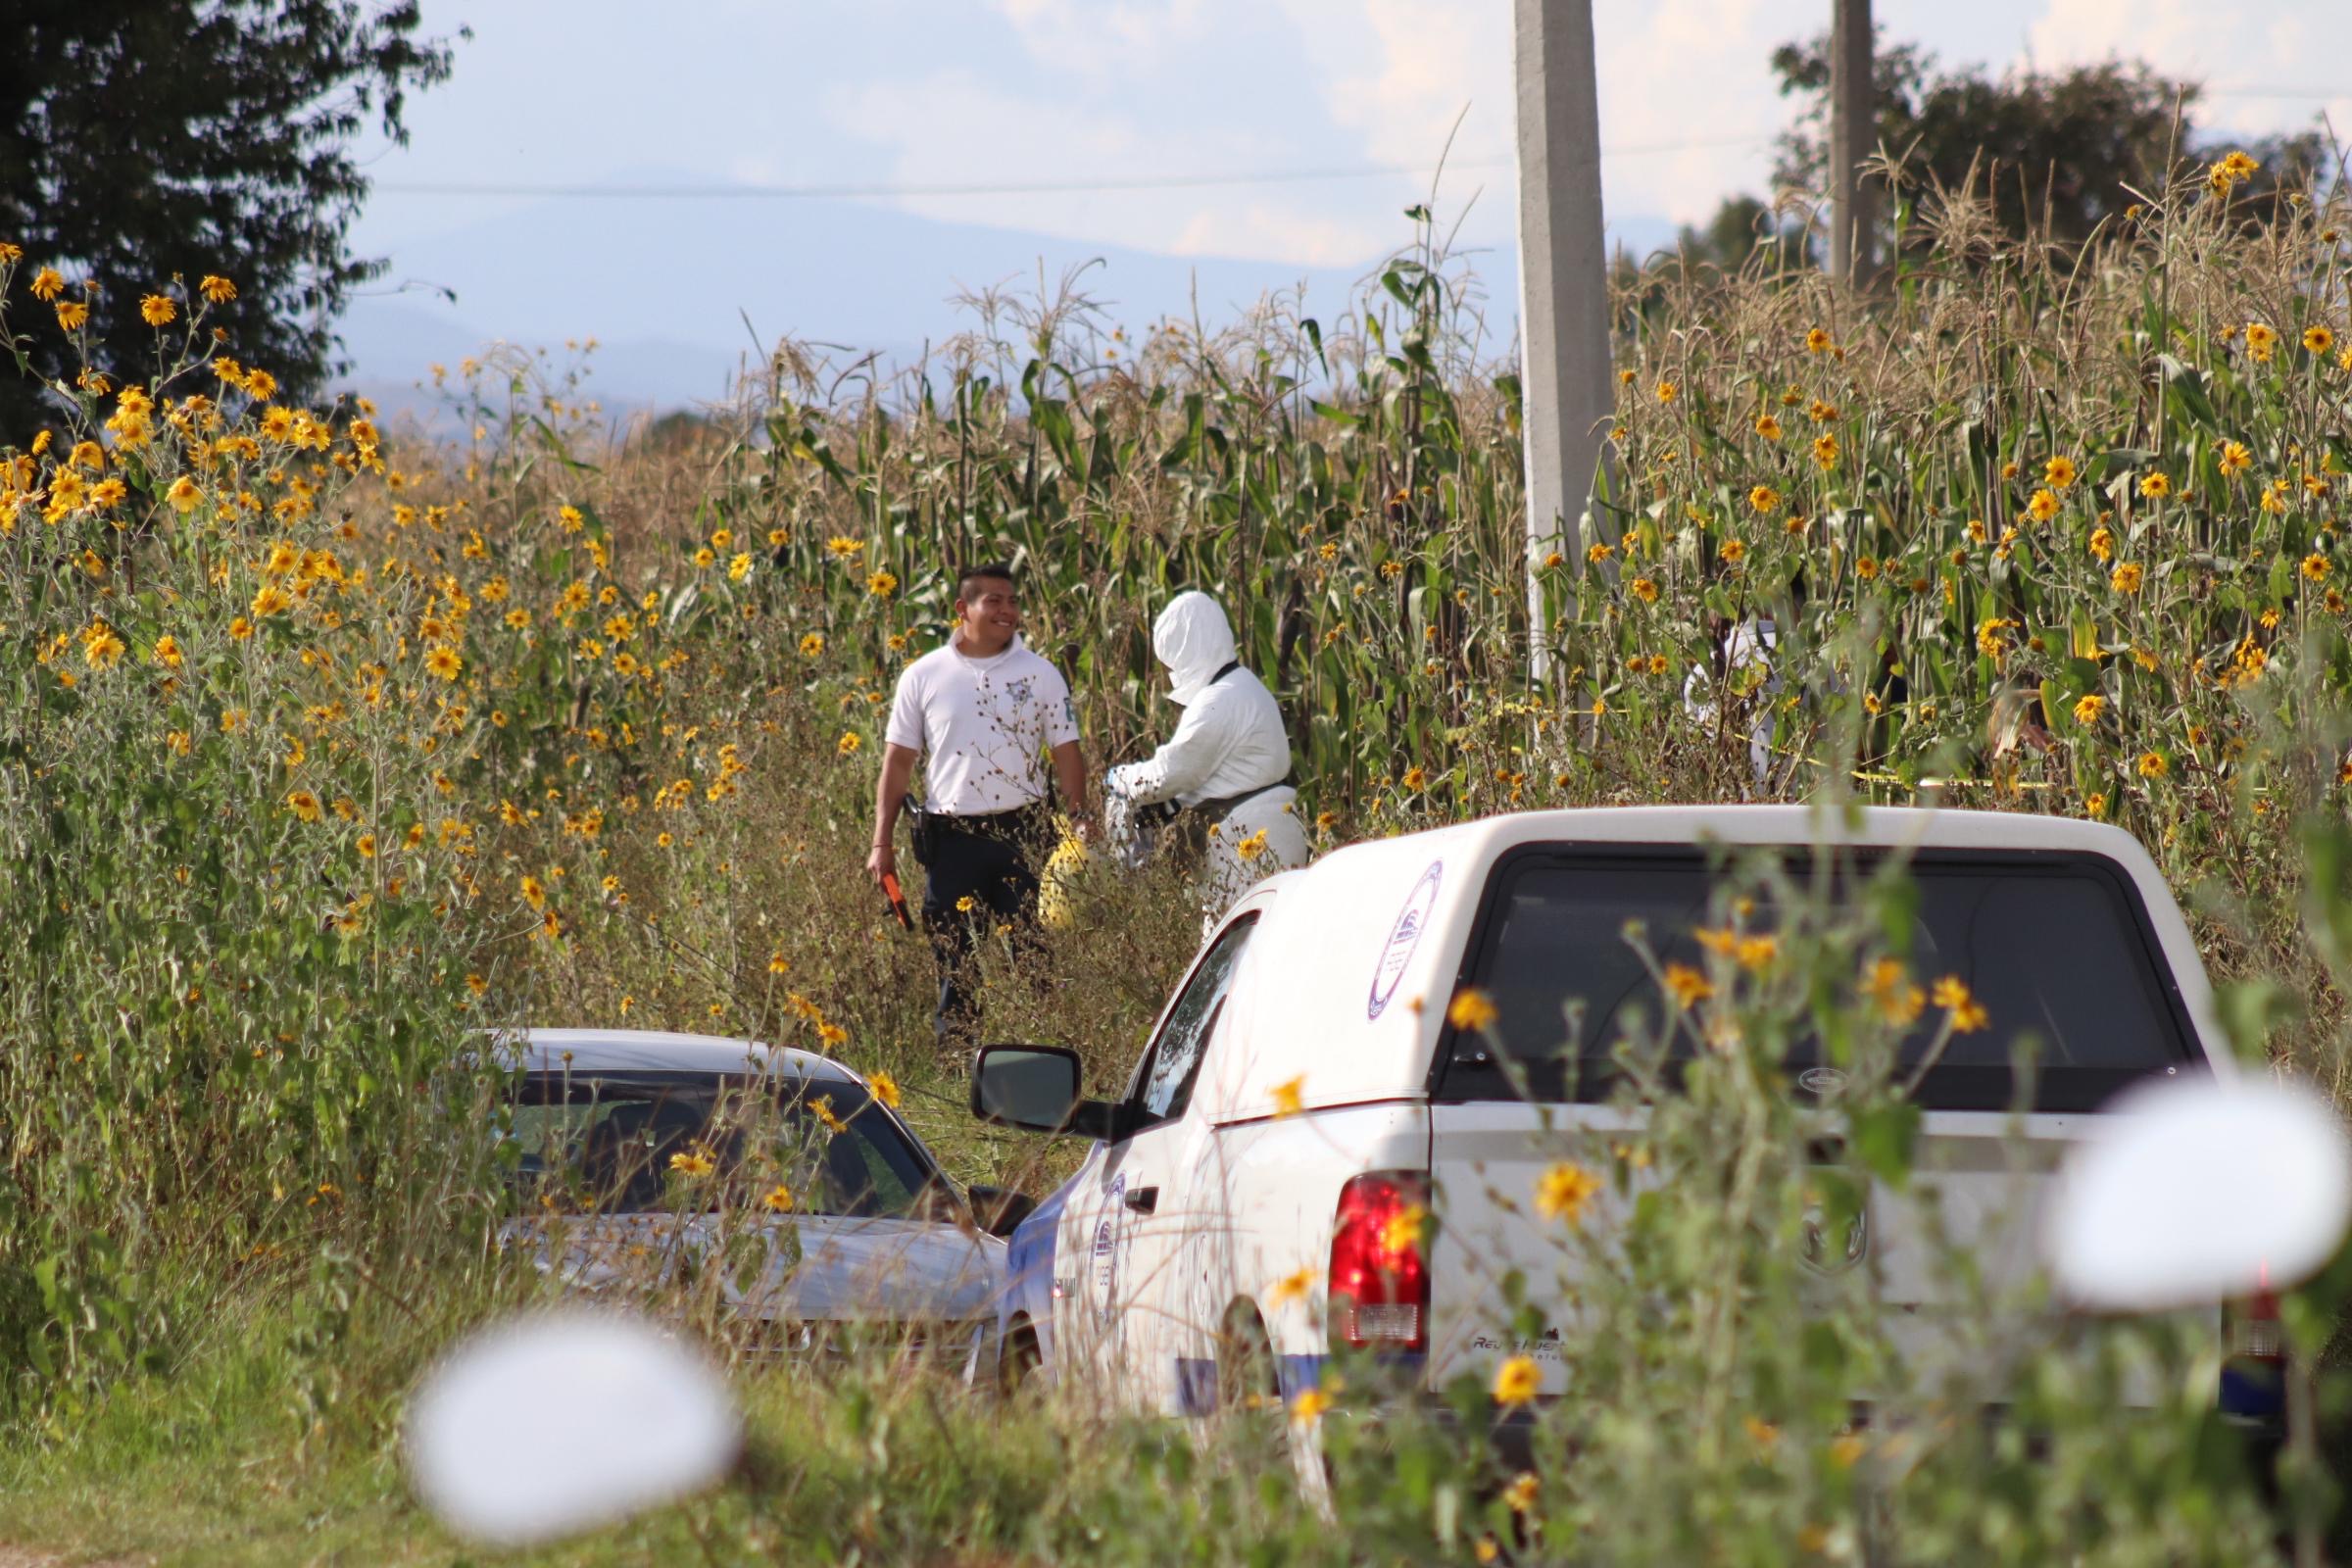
2056	948
1166	1082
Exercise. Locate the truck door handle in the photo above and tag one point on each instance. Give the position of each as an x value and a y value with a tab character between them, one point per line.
1143	1199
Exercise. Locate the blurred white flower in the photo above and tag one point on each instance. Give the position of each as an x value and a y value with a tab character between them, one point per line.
556	1423
2192	1192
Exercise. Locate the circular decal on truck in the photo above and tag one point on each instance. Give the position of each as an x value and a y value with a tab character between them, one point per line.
1403	937
1106	1252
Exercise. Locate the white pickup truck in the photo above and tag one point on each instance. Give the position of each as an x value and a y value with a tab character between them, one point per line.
1306	1083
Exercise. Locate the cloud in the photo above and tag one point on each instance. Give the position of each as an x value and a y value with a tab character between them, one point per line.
1269	229
1686	103
938	120
2253	66
1396	74
2074	33
1131	92
1098	41
949	126
1416	67
1120	90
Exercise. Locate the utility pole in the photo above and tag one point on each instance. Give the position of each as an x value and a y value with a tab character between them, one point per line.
1563	285
1853	117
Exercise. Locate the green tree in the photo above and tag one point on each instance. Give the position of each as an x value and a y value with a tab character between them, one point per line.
2053	153
1743	238
148	141
1743	231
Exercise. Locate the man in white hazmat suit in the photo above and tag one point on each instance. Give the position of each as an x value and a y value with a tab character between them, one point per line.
1227	767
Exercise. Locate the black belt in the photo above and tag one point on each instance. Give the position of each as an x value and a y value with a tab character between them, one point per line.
1025	821
1188	826
1224	806
1015	825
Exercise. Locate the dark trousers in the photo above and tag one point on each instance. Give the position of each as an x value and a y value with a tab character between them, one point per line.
990	861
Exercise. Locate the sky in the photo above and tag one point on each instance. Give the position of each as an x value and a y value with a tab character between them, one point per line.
1264	124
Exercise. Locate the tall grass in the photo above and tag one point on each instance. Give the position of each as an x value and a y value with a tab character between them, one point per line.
2060	525
321	752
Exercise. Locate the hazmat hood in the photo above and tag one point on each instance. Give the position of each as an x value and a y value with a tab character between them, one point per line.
1193	638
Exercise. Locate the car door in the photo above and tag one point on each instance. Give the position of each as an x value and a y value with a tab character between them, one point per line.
857	1241
1136	1204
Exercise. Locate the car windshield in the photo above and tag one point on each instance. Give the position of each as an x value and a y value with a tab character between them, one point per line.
622	1143
2055	949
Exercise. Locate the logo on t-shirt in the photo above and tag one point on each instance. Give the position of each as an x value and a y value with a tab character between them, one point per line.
1019	690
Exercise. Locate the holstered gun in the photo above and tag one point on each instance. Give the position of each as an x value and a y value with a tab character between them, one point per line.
922	830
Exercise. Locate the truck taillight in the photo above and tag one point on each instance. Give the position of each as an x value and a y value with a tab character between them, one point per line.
1379	1286
2254	1332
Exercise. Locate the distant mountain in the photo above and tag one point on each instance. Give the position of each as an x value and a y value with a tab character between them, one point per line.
668	298
393	346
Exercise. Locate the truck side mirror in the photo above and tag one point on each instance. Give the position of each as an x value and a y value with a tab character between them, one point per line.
1035	1087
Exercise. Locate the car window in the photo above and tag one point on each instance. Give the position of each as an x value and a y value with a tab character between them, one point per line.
2054	950
1175	1056
632	1143
549	1133
882	1187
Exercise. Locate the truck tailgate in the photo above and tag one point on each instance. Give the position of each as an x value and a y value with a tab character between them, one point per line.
2073	997
1484	1160
1950	1261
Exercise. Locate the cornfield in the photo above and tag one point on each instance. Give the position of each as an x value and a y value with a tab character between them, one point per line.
323	750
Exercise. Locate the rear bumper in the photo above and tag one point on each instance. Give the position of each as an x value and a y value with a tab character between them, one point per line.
2254	1393
1392	1390
1499	1446
1509	1437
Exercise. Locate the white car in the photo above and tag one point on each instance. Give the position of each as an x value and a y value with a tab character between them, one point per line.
1305	1085
645	1159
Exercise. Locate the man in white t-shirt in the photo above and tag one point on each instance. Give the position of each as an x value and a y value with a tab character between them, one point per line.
983	712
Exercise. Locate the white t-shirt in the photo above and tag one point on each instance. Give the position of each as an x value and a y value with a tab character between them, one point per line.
983	725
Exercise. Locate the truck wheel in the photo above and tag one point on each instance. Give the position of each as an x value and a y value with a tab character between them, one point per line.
1247	1379
1017	1366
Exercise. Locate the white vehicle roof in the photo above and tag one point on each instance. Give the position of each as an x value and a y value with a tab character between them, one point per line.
658	1050
1346	984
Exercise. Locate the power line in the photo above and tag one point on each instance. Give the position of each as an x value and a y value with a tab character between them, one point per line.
1148	183
847	192
2319	93
1009	188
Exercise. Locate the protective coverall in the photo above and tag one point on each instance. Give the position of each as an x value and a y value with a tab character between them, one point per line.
1228	758
1751	644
